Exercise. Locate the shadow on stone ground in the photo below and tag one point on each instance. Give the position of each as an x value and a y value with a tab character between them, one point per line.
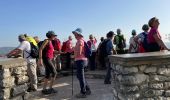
63	85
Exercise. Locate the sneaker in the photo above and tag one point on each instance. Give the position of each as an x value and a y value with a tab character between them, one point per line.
88	92
45	91
52	90
80	95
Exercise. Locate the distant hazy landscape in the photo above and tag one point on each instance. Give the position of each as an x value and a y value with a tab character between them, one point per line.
5	50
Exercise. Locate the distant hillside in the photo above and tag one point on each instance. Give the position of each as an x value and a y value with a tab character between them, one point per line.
167	44
5	50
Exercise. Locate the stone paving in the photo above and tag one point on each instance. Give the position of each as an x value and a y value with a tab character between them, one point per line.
100	91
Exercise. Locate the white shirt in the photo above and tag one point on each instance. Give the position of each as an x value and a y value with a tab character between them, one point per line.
134	45
26	48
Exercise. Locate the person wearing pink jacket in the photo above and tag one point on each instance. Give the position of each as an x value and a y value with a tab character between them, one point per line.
92	44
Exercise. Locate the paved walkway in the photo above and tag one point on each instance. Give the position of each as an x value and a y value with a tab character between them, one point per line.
100	91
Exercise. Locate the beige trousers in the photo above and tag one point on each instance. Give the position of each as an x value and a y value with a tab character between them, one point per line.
32	73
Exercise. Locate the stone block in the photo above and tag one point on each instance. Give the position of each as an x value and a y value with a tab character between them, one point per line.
148	99
5	94
167	93
164	71
7	82
158	78
156	98
152	93
129	70
113	66
114	92
19	90
128	89
17	71
142	67
156	86
21	79
4	73
144	86
167	85
150	70
119	68
18	98
134	96
135	79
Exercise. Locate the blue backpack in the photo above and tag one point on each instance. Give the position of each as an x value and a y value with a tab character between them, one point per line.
87	50
145	42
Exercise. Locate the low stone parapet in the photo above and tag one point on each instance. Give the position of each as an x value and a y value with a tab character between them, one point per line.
142	76
13	78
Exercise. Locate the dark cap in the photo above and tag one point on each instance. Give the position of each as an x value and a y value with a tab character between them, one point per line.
145	27
110	34
49	34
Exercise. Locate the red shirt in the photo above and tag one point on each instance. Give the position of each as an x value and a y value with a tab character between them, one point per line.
153	31
69	47
50	50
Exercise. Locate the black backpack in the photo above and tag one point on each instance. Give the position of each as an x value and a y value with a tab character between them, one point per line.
87	50
34	51
145	42
44	50
102	49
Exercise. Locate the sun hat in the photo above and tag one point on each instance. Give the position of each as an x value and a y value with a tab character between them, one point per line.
78	31
49	34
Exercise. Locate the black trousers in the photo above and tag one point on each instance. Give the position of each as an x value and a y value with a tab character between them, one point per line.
68	60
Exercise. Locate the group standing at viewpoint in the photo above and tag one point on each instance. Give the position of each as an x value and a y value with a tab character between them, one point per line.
51	48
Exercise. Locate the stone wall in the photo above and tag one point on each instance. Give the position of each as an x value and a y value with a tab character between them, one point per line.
143	76
13	79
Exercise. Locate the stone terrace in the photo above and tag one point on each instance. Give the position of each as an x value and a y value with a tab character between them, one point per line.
64	87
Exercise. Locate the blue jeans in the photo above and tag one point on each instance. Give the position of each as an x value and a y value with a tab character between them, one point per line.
108	73
80	65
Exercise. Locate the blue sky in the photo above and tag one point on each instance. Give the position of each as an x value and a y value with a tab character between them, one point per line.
36	17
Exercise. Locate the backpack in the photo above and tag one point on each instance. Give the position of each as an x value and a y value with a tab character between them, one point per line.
87	50
120	41
56	44
102	49
34	51
64	46
145	42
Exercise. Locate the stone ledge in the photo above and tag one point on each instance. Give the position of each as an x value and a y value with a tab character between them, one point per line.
140	58
12	62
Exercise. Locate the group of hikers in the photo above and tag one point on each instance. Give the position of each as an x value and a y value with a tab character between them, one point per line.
85	53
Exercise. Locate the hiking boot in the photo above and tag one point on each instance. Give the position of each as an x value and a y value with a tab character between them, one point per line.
52	90
45	91
107	82
88	92
31	90
81	95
